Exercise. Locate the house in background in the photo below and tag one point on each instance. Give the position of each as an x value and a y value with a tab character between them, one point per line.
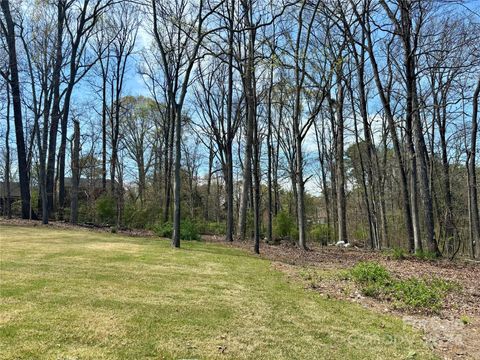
5	199
89	190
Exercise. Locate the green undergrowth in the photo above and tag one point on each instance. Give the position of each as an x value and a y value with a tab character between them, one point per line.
412	293
399	253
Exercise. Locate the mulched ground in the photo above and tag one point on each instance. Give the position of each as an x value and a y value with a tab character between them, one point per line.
444	331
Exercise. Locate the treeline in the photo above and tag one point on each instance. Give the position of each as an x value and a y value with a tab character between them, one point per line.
319	120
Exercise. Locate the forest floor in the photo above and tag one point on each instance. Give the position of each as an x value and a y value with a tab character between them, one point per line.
70	293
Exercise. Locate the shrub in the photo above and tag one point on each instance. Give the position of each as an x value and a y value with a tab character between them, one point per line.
425	255
360	233
188	230
284	226
321	233
412	293
398	253
106	209
212	228
163	229
465	320
418	294
134	217
370	273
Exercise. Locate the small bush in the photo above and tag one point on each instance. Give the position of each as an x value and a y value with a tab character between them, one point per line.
188	230
412	293
212	228
134	217
163	229
465	320
360	233
398	253
321	233
284	226
374	290
106	209
426	255
418	294
370	273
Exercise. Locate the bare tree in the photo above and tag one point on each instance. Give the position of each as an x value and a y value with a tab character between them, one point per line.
8	28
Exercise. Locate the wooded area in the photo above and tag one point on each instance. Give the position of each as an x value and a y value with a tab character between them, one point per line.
309	121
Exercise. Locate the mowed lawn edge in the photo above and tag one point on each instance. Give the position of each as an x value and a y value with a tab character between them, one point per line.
79	294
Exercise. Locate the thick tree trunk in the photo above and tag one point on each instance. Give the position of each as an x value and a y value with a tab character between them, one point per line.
177	179
256	187
17	111
396	144
249	85
169	162
421	156
63	146
229	189
474	216
448	219
230	131
56	112
320	139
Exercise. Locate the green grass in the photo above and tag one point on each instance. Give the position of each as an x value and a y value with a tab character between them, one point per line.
83	295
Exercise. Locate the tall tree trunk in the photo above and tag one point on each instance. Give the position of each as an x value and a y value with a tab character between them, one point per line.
256	184
8	194
340	167
229	189
75	173
230	131
62	149
169	161
209	182
474	216
320	139
250	101
441	117
17	110
421	155
396	144
56	112
269	158
177	179
104	124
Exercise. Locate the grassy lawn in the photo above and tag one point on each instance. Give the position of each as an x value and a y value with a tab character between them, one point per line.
83	295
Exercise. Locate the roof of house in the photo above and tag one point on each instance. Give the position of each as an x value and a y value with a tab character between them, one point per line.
84	184
14	189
